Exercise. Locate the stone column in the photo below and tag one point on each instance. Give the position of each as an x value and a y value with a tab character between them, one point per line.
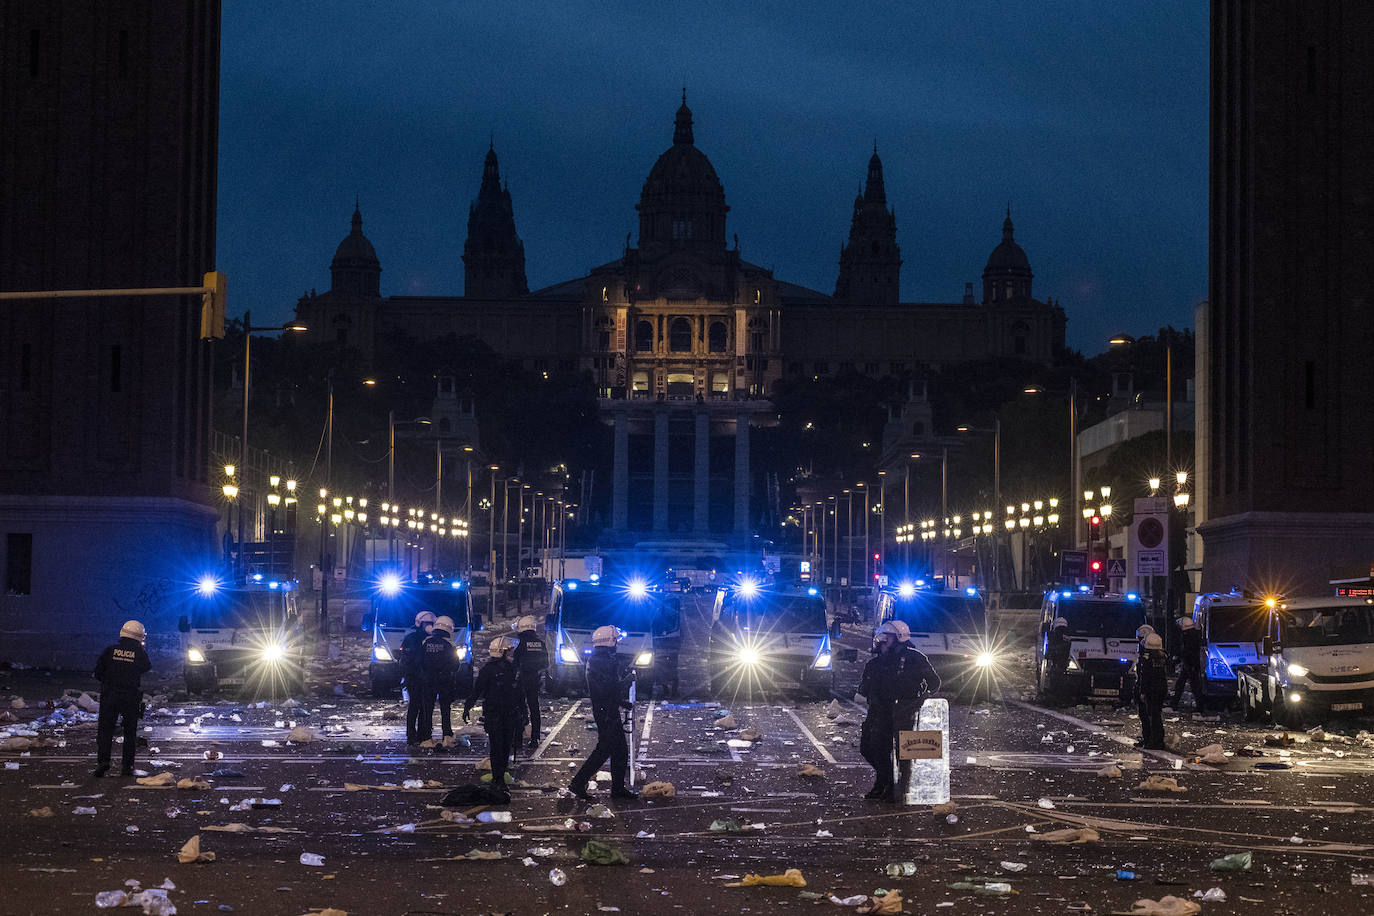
701	488
620	474
742	474
661	469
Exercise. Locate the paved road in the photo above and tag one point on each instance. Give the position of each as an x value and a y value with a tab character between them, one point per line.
1019	771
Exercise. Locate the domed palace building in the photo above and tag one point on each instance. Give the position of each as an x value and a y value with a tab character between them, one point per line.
684	338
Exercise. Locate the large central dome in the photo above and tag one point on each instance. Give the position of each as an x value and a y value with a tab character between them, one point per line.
682	203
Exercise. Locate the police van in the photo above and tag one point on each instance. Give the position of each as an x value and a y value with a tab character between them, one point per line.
395	603
1103	645
1233	626
248	638
1319	660
650	622
949	627
767	636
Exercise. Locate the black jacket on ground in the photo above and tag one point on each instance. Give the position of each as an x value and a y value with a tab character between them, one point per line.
531	656
121	666
498	687
606	684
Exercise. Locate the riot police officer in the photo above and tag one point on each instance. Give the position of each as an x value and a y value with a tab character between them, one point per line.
438	668
606	686
498	688
1154	687
412	676
1189	663
532	658
1058	648
119	669
896	682
1141	634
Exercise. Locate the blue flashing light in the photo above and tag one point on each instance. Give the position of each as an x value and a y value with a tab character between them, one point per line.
1082	588
274	584
638	588
207	586
390	584
747	588
1132	596
906	589
971	591
257	577
813	590
920	583
1124	661
1066	594
455	585
595	577
572	586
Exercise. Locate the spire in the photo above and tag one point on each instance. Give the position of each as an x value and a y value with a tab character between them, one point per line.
491	171
682	129
1006	226
870	263
493	255
874	192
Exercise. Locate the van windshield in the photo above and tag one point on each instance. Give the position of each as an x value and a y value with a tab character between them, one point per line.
933	613
1087	617
399	610
1237	623
1337	625
231	608
782	614
587	609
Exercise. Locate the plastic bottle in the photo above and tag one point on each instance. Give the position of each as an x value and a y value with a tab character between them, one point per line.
901	869
557	878
1123	875
929	783
494	817
310	858
107	899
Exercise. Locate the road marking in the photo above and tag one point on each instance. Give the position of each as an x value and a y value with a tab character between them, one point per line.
810	737
539	751
1087	726
644	733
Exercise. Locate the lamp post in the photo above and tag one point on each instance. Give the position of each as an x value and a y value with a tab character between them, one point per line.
248	330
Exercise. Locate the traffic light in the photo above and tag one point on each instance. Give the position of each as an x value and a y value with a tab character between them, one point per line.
1095	566
213	305
1095	521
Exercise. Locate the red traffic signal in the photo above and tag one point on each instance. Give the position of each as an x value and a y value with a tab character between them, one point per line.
1095	521
1096	565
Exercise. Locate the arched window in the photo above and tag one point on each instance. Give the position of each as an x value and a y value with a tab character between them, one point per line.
717	337
644	335
680	336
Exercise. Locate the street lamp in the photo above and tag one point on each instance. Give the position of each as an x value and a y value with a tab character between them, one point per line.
248	330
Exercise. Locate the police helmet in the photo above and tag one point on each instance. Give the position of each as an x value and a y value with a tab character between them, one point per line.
445	624
605	636
1153	641
1059	622
1186	623
424	618
500	645
1143	630
896	628
528	622
134	630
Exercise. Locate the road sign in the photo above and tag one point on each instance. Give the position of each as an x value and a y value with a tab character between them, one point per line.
1073	564
1150	563
1116	568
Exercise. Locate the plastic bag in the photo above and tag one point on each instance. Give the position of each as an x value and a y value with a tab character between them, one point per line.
882	904
190	852
1236	861
1161	784
659	790
599	853
790	878
1165	906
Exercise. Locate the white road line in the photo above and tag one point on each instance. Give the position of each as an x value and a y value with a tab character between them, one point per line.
1119	739
644	734
539	751
810	737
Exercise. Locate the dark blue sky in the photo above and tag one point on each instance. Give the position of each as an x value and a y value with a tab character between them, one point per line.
1090	117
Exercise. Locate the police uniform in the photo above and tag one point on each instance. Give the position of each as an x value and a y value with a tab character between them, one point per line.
606	686
1154	686
1140	635
119	669
532	658
1190	666
1058	648
438	667
895	682
411	675
498	688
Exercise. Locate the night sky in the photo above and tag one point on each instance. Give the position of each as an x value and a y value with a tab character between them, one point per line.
1089	118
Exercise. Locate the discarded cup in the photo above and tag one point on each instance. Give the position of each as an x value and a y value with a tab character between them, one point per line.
107	899
310	858
901	869
557	878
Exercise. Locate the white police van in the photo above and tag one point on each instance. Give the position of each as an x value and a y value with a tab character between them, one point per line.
247	638
950	628
1233	626
766	637
1103	645
649	622
395	603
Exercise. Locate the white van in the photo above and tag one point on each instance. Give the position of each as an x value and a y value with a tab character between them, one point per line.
649	621
1233	626
765	636
949	627
246	638
1320	654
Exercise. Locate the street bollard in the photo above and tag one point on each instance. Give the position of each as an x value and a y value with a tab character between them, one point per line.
929	783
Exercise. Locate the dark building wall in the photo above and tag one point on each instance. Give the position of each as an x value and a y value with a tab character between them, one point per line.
1292	271
108	148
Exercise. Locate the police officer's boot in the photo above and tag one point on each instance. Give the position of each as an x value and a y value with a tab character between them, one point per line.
624	794
877	791
100	770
